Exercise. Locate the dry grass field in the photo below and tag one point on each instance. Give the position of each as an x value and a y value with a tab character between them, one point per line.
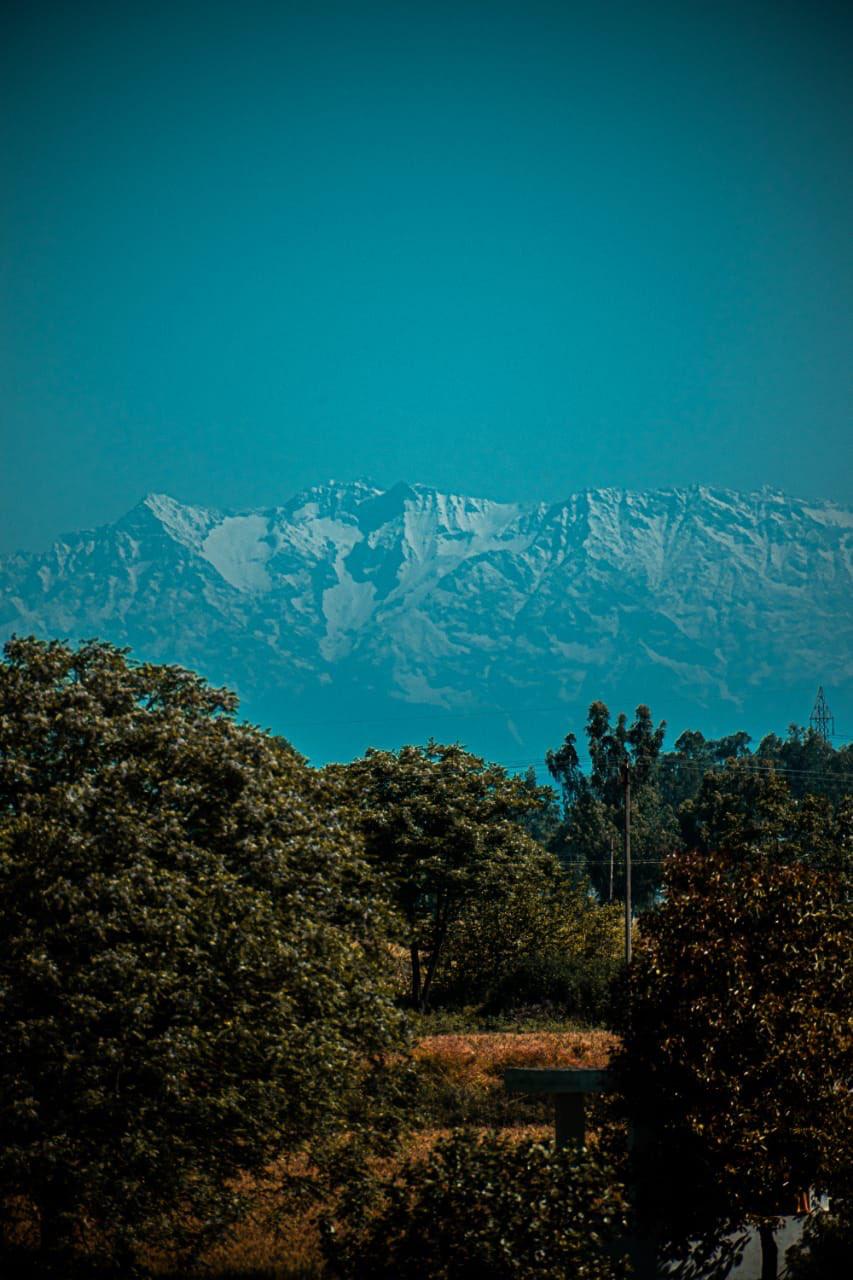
482	1057
468	1066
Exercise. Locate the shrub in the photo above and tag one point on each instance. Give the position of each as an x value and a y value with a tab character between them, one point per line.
537	939
576	987
486	1206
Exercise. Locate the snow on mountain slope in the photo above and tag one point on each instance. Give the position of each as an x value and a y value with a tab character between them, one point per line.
696	597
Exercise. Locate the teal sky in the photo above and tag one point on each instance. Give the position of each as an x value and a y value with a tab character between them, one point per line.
507	249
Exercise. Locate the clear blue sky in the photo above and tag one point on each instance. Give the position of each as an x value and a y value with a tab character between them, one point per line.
508	249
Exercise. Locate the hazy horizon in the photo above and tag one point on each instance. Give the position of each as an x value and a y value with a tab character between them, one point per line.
511	250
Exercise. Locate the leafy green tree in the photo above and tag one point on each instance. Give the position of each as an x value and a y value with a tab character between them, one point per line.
810	763
484	1206
749	810
192	958
437	823
740	809
735	1054
540	816
533	935
682	770
591	836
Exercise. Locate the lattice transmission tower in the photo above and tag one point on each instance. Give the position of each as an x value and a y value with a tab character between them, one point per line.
821	719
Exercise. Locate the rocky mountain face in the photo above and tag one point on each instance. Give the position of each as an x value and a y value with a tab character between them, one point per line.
353	614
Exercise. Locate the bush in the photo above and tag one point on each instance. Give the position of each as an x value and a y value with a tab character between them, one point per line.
486	1206
574	986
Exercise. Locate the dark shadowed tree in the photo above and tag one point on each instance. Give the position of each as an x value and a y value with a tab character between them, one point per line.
192	962
735	1055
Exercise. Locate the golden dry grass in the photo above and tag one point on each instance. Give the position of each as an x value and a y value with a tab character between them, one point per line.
259	1248
491	1052
474	1061
480	1058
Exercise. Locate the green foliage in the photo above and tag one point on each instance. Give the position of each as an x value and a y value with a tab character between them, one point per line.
439	824
736	1056
591	838
485	1206
740	809
750	811
192	964
811	764
533	936
540	816
683	769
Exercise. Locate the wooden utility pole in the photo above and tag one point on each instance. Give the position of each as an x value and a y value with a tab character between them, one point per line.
610	899
626	784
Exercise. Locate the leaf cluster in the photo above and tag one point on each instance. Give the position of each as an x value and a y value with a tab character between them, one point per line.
440	827
482	1205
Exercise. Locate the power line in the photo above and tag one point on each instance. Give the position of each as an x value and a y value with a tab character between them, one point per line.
745	766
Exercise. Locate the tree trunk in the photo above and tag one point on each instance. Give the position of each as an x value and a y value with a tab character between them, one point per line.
56	1231
440	934
416	975
769	1252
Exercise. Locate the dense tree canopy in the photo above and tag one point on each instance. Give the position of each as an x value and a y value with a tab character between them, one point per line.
594	813
735	1060
439	824
683	769
749	809
812	765
191	954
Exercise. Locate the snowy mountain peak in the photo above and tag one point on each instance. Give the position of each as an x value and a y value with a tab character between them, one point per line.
333	498
694	597
186	524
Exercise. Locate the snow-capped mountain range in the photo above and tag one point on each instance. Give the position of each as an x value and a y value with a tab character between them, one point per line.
351	603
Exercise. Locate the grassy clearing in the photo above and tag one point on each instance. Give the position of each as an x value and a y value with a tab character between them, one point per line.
460	1083
460	1075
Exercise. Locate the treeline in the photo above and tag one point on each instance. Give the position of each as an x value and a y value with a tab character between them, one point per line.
790	797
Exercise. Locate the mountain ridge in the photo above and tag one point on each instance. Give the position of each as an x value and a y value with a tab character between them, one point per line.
693	597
